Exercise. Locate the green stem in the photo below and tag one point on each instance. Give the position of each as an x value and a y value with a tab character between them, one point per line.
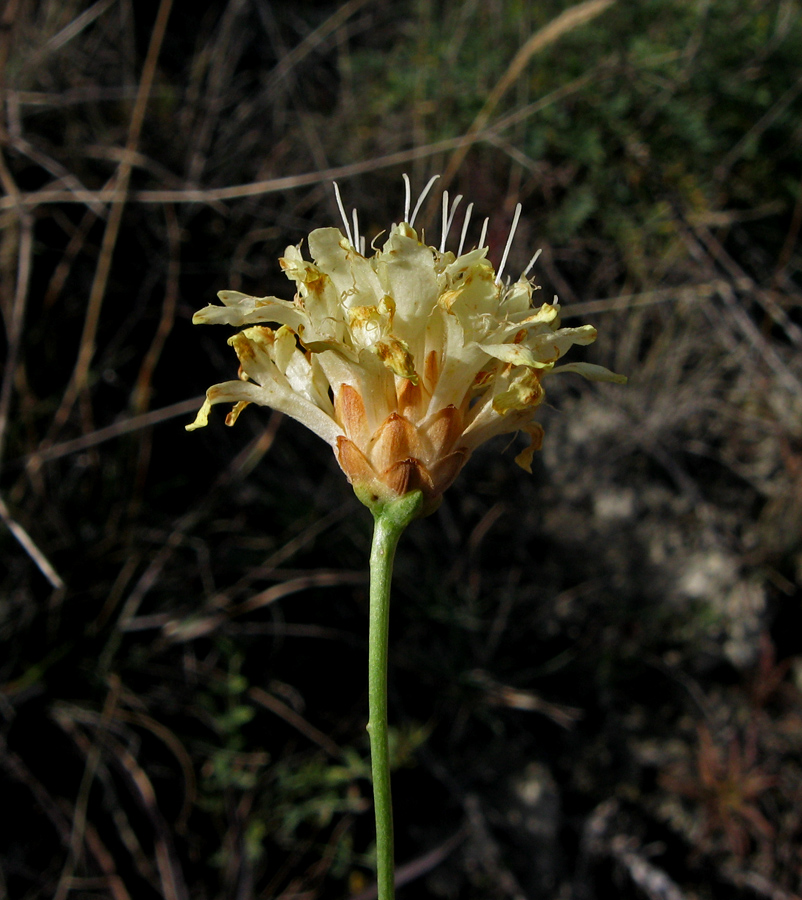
390	520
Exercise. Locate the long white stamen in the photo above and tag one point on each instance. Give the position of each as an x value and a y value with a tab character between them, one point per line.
422	198
407	196
355	236
531	263
483	235
444	229
362	245
342	212
509	242
468	212
447	223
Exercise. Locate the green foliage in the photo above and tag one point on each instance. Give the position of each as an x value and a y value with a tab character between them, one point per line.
228	765
312	792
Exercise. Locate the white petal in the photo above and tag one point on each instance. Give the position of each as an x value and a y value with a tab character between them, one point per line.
516	355
276	396
241	309
591	371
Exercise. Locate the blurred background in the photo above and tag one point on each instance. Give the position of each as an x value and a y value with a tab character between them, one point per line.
595	670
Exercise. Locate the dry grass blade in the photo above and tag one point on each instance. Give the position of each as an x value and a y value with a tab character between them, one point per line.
765	122
567	21
100	751
127	426
86	349
189	630
28	544
212	196
142	390
178	750
239	467
15	320
93	762
6	26
693	292
314	39
21	773
171	878
281	709
105	860
654	883
419	867
78	24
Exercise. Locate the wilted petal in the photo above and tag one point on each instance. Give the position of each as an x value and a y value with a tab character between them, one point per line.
591	371
274	395
524	392
515	355
240	309
524	458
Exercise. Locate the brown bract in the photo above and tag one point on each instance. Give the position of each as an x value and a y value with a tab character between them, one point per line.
409	451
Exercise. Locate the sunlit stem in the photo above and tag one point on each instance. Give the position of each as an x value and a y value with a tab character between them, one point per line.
390	520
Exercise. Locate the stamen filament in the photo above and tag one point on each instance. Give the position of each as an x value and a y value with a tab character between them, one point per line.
531	263
448	221
355	236
422	198
509	242
483	235
468	212
342	212
407	196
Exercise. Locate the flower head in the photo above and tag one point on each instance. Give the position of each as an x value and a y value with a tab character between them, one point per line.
403	361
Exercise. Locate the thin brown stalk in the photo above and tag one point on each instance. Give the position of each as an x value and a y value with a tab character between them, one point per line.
179	751
296	721
93	760
180	631
62	270
29	546
136	423
16	320
86	350
7	20
143	388
313	40
567	21
692	292
268	186
221	60
140	398
238	468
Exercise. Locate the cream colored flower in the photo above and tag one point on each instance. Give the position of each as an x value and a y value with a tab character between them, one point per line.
404	361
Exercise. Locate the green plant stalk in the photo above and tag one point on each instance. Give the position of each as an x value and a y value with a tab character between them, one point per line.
390	518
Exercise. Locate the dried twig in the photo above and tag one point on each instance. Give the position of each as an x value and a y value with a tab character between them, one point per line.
568	20
28	544
97	293
298	722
